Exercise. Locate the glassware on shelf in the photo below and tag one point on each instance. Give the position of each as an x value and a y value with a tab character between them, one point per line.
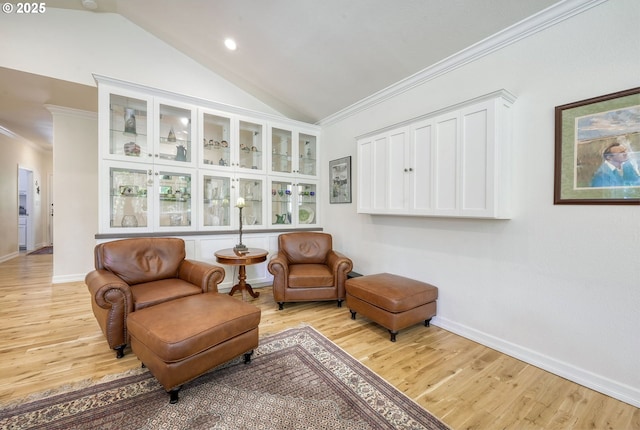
128	197
216	136
307	150
216	201
129	221
281	146
175	132
251	146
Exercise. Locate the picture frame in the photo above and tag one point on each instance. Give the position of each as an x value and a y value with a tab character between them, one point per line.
597	150
340	180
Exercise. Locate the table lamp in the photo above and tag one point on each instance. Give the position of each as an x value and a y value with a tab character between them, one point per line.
240	248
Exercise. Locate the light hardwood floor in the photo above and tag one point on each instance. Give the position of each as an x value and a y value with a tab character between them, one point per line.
49	338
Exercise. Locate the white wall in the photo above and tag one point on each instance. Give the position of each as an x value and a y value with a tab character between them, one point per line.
72	45
75	192
557	285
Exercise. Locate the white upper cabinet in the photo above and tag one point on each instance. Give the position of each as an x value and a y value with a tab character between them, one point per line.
452	163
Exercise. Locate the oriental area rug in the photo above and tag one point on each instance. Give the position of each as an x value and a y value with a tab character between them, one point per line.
297	379
43	250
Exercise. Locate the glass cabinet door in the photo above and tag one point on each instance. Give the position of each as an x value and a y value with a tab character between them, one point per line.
307	208
281	147
174	199
251	146
215	207
307	151
128	127
216	132
128	200
174	134
281	202
252	190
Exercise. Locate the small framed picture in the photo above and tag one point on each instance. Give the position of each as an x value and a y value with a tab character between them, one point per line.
598	150
340	180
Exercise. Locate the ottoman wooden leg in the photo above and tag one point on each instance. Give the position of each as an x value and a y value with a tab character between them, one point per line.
173	395
393	334
353	314
247	357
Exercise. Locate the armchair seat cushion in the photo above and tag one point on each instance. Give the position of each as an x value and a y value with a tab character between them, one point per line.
310	275
156	292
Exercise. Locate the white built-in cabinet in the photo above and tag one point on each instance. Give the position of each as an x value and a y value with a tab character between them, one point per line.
451	163
171	163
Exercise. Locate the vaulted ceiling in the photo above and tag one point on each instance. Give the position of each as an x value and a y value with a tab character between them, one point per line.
308	59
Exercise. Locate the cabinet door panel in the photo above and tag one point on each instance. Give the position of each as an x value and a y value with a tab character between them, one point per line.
422	164
252	146
128	200
379	179
174	204
474	152
446	194
216	140
365	175
398	171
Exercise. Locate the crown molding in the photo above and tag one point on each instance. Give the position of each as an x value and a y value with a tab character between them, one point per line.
63	110
535	23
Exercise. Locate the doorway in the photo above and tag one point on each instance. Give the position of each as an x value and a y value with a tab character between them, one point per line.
25	209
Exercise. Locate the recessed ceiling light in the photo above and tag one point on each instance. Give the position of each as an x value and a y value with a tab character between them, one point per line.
230	44
90	4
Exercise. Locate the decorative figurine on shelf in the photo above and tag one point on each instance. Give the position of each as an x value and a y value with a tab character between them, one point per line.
240	248
130	121
181	154
172	136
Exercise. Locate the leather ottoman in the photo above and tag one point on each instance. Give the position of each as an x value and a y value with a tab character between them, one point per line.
181	339
393	301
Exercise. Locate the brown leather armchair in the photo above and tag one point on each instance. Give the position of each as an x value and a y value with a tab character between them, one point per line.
133	274
306	268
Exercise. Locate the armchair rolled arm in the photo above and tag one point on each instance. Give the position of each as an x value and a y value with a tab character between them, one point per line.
340	265
279	267
206	276
101	283
112	301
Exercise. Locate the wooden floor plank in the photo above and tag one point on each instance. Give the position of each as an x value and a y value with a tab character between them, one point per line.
49	338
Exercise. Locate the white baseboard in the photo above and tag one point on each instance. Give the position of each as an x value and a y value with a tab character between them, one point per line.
68	278
615	389
9	256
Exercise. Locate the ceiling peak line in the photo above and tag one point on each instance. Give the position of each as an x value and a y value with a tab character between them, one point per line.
523	29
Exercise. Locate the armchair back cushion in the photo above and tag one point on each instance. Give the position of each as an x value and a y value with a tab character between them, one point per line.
301	248
141	260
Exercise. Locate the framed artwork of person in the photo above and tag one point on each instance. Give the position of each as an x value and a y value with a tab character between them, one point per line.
597	153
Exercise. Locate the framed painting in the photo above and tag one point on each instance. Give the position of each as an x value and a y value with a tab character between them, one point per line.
597	154
340	180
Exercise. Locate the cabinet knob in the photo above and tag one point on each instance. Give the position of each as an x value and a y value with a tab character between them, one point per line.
411	169
406	170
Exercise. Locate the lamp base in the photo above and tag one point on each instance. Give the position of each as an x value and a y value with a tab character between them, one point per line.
240	248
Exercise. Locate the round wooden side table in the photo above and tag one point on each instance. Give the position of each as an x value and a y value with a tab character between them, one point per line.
252	256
